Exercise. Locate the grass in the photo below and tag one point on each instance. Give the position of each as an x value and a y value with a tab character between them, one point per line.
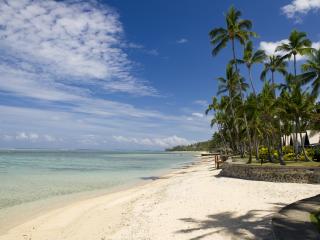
315	219
238	159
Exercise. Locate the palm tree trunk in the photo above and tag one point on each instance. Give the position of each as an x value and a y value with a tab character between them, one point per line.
269	150
241	98
273	87
234	55
295	66
280	146
302	144
256	144
251	82
296	147
237	142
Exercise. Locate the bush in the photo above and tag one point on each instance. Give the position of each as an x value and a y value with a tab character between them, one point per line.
287	149
275	154
310	152
316	156
263	153
289	157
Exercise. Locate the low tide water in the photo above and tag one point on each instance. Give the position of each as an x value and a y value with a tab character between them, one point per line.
28	176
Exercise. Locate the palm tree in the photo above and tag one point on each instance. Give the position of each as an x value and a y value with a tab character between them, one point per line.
251	57
274	64
230	84
236	29
298	45
311	72
300	106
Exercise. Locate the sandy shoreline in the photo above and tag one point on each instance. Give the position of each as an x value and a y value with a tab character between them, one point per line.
190	203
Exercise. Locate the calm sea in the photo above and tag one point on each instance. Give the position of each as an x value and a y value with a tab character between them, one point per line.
28	176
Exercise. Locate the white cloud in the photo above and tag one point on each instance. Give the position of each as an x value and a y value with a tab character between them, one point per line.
199	115
201	102
300	7
67	40
22	136
72	128
156	142
60	59
29	137
270	47
182	41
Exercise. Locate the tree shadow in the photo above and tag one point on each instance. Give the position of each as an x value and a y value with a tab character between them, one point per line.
254	222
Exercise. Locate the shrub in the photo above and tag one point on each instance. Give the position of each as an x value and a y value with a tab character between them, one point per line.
275	154
287	149
263	153
310	152
289	157
316	155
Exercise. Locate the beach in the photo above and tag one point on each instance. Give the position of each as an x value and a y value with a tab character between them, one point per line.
192	202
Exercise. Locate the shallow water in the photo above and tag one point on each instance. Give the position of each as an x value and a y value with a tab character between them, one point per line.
28	176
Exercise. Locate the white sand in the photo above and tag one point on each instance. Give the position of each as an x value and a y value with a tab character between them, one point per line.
191	204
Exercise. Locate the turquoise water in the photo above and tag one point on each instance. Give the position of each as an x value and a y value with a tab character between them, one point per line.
27	176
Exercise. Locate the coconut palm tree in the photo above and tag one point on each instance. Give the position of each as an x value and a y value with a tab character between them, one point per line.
311	72
229	84
298	44
251	57
236	29
274	64
300	106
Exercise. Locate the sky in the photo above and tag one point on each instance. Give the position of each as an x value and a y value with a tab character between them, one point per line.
123	74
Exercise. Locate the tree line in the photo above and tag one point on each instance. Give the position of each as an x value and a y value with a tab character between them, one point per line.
248	119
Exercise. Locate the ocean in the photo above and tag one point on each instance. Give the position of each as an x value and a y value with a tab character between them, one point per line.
28	176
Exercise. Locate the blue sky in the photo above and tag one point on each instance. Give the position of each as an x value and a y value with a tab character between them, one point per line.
122	74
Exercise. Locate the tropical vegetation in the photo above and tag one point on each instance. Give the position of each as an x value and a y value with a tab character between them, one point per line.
256	124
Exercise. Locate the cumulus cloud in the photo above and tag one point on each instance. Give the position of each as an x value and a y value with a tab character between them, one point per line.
182	40
300	7
156	142
59	62
270	47
66	40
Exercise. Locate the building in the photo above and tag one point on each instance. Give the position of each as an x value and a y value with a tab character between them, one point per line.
310	138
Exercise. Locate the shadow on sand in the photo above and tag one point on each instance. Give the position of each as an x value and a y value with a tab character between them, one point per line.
237	227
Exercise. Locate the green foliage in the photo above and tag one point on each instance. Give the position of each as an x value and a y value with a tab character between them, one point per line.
315	219
263	153
281	108
199	146
310	152
287	149
316	156
289	156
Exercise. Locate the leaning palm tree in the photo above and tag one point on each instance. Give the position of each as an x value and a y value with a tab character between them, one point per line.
236	29
298	44
274	64
311	72
251	57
